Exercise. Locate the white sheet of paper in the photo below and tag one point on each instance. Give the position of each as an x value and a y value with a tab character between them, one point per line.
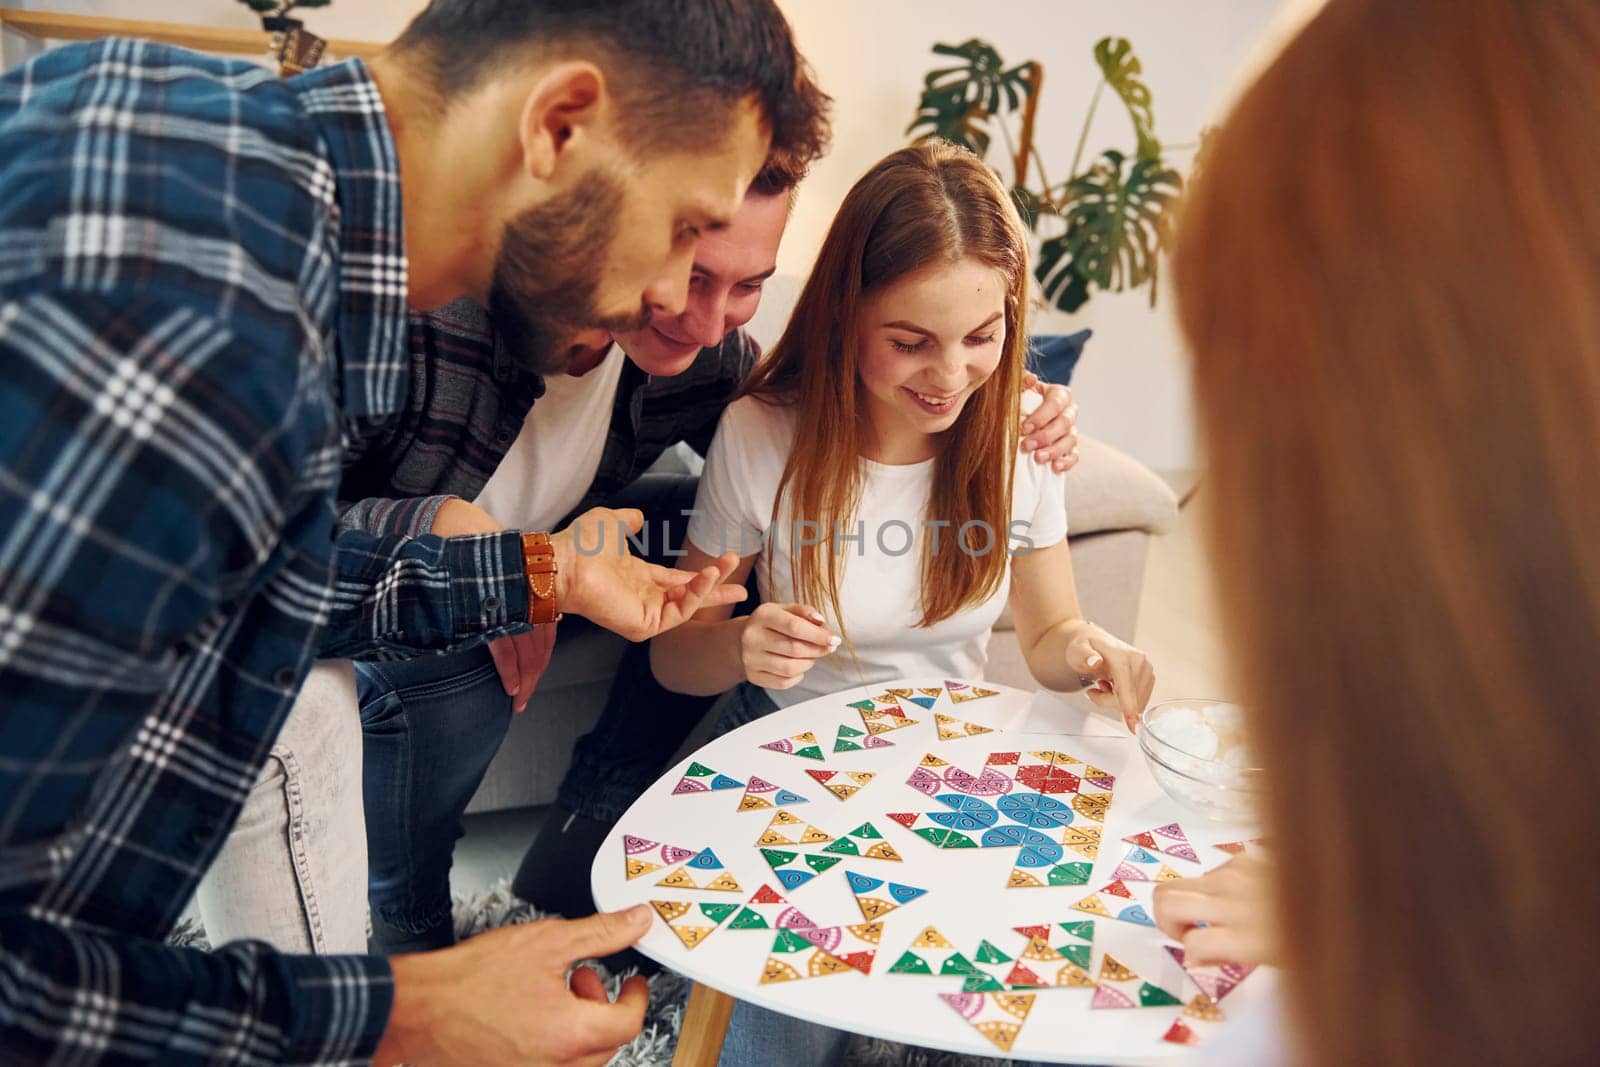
1055	713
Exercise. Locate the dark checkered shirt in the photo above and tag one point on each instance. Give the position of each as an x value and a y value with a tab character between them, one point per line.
202	286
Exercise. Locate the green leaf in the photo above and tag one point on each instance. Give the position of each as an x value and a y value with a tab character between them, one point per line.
946	114
957	102
1122	69
1114	230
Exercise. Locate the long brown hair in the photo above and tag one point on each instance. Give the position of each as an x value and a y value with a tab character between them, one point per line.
1389	275
929	204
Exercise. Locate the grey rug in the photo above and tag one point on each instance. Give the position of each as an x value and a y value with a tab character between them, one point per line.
669	993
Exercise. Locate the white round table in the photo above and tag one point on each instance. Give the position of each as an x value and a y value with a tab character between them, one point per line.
968	899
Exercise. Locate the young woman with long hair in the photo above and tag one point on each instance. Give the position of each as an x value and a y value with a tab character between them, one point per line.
869	468
868	476
1389	274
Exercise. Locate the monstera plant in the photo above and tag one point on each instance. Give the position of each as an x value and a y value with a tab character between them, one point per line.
1106	224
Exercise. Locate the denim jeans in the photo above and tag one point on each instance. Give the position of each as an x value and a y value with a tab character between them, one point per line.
292	870
433	724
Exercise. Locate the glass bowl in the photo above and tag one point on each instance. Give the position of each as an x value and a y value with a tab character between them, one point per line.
1218	790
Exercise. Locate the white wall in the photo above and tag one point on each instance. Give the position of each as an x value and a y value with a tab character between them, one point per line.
871	54
1133	382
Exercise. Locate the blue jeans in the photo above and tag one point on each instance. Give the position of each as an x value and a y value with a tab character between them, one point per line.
433	724
430	725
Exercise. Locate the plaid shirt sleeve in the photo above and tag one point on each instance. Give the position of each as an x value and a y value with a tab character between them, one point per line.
142	492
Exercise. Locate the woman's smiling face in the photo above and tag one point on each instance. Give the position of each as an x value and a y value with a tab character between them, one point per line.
926	343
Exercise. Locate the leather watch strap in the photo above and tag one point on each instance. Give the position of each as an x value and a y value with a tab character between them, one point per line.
539	563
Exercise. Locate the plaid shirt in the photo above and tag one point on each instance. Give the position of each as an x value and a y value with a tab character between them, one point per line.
202	284
470	397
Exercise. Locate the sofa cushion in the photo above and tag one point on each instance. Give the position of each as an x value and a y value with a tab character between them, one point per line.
1052	356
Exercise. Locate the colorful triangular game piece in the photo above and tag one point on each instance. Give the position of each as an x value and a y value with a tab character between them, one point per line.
961	692
874	905
878	849
951	728
884	720
644	856
692	923
760	911
791	952
1093	905
702	779
1215	981
1122	987
842	784
1169	839
1084	840
802	744
997	1016
760	793
1092	805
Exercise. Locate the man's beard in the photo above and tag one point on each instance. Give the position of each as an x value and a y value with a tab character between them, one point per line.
548	271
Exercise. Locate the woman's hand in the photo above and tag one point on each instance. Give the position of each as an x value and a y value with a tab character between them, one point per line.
781	642
1116	675
1222	917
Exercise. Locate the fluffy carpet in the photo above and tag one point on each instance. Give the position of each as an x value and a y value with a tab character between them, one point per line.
669	993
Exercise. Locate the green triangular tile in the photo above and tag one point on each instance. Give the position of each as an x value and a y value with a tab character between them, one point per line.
911	963
843	846
864	705
699	770
718	912
987	953
776	859
1078	954
1154	997
809	752
1084	930
1069	874
982	983
850	731
959	964
958	840
936	834
821	863
866	829
846	746
790	941
749	919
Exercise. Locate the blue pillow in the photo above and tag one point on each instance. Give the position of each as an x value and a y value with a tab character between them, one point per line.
1053	355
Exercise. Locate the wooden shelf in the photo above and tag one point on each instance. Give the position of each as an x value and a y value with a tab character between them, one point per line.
44	25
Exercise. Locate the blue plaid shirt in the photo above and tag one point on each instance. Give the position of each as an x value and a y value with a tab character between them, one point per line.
202	303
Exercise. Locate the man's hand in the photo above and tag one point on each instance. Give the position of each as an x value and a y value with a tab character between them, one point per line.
781	642
1234	904
503	997
599	578
521	660
1116	674
1050	431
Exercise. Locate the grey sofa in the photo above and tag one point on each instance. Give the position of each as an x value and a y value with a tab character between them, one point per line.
1114	506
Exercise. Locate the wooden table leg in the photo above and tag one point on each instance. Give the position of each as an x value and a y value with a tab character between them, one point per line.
705	1024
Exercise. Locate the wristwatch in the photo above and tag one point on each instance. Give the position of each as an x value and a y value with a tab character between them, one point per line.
539	563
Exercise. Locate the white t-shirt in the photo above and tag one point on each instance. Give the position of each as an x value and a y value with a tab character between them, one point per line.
881	584
553	461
